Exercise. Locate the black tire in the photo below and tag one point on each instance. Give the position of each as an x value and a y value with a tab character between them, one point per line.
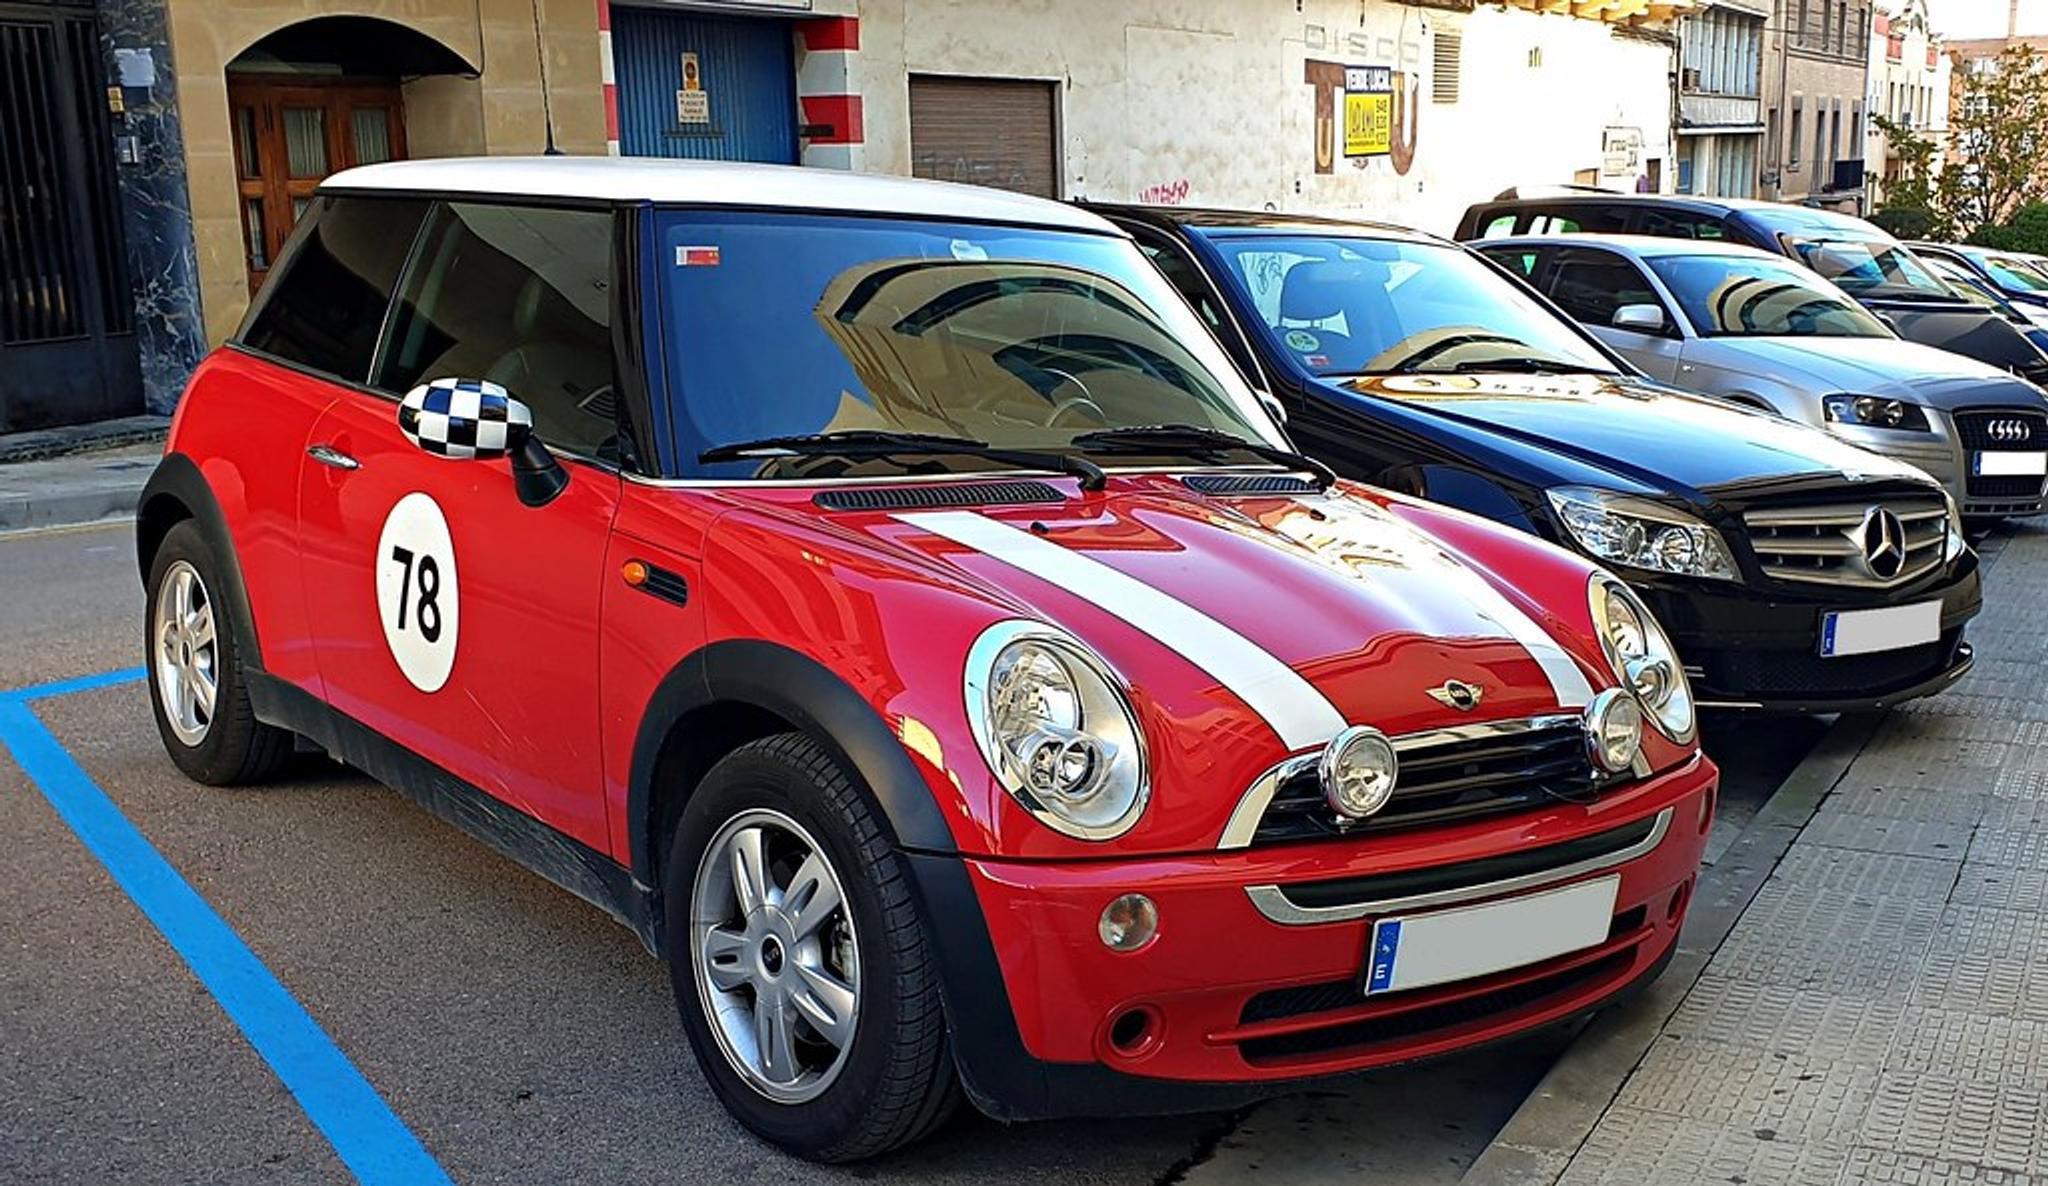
236	747
897	1082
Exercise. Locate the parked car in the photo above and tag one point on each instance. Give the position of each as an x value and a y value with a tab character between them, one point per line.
1759	330
2016	278
1978	291
1414	363
1869	264
887	600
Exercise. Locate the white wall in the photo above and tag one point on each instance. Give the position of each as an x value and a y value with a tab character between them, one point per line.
1206	101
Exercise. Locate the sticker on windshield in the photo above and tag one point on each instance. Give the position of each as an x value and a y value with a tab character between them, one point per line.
971	252
696	257
417	598
1302	340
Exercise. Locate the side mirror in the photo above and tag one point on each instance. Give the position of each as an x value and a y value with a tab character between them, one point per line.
1648	319
1272	404
469	419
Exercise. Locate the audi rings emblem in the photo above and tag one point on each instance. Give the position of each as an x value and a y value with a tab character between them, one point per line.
1884	543
2009	432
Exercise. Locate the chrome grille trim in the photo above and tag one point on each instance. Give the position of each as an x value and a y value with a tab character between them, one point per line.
1822	545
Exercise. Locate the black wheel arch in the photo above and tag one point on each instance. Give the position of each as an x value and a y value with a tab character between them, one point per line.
733	691
178	492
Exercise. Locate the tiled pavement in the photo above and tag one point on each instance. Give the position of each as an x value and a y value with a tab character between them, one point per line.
1880	1012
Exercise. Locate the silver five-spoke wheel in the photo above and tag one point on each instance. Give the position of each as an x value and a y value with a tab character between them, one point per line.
775	956
187	661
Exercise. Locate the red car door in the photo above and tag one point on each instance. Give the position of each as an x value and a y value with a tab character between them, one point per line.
448	615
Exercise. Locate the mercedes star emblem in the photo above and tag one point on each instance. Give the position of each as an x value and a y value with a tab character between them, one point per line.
1884	543
1458	694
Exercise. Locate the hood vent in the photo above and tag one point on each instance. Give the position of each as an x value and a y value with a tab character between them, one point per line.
1250	484
899	498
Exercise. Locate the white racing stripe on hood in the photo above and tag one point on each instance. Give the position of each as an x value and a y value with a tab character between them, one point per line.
1347	528
1302	716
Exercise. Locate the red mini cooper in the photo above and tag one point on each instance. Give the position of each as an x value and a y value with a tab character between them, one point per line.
885	598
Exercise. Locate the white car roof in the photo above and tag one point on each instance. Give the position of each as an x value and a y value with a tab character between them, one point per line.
1645	246
712	183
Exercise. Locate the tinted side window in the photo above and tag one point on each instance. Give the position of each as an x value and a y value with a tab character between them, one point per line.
1672	224
326	302
520	296
1522	262
1591	285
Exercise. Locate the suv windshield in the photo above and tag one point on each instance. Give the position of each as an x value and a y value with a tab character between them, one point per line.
1348	305
1726	295
997	338
1870	267
2015	275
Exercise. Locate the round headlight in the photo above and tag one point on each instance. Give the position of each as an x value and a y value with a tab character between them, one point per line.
1358	771
1642	656
1614	730
1053	723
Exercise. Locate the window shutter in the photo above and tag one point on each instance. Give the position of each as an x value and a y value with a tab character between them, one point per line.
1450	56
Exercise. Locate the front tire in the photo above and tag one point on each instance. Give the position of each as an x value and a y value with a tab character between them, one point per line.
198	685
801	971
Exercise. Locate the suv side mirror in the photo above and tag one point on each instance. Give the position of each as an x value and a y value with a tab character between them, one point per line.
1647	319
468	419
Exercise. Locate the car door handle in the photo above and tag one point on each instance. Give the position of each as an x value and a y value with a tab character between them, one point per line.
329	455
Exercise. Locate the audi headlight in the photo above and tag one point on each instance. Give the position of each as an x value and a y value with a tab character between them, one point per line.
1057	730
1955	545
1874	411
1636	533
1642	656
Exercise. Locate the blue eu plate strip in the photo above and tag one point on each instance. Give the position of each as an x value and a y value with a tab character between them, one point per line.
370	1139
1386	946
1827	634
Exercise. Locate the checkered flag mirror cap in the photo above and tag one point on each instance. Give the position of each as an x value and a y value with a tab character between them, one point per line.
464	418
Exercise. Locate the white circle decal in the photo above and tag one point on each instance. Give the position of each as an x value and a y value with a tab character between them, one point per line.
416	591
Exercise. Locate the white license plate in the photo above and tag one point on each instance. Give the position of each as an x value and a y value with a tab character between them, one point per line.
1867	631
2009	465
1425	949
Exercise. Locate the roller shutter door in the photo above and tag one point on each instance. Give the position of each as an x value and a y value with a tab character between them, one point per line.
986	131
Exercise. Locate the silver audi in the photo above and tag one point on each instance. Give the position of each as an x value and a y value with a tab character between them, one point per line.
1759	330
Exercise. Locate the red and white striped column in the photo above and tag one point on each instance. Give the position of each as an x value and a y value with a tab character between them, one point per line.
609	76
829	106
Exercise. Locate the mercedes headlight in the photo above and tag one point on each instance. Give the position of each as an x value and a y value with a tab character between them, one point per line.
1955	545
1057	730
1874	411
1642	656
1637	533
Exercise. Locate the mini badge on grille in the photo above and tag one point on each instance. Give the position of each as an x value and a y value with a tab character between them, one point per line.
1458	694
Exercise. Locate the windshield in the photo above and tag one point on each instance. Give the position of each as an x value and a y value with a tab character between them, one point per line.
1726	295
1870	267
1965	283
787	324
1343	305
2014	275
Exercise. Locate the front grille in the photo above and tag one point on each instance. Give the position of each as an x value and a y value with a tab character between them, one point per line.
1830	544
1448	774
2001	428
1801	673
1415	1023
1613	845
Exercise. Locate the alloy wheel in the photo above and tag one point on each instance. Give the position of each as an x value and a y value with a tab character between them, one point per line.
187	655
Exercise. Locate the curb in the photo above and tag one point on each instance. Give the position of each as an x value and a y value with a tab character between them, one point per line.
73	490
1539	1140
42	444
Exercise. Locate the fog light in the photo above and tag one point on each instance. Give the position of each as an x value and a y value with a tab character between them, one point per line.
1128	923
1358	771
1614	730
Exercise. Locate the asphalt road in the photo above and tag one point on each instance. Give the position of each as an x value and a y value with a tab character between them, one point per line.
521	1036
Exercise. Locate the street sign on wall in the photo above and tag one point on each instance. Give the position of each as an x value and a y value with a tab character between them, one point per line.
1368	110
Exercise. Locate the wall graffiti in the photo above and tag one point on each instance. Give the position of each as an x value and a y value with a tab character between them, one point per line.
1166	193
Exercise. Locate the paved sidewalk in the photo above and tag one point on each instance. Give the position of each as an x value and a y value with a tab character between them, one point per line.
1879	1013
79	488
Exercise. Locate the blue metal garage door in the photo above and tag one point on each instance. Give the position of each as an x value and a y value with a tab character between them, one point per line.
747	73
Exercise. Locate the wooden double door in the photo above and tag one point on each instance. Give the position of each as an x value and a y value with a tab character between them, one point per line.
290	135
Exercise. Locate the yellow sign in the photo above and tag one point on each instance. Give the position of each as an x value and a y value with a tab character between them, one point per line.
1368	111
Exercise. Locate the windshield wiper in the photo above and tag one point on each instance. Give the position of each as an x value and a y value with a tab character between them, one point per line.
1187	438
1525	363
872	442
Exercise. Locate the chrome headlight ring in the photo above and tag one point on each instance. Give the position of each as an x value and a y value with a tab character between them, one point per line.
1056	727
1642	658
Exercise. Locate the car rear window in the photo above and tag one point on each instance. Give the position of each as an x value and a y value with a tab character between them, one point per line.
325	302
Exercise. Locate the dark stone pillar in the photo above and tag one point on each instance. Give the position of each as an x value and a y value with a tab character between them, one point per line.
156	207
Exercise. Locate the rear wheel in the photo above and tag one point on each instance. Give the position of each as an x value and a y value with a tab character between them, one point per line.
197	684
801	971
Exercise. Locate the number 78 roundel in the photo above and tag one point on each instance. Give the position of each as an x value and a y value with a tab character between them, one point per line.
418	600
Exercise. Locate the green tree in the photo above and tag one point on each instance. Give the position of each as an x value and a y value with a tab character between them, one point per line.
1997	142
2026	231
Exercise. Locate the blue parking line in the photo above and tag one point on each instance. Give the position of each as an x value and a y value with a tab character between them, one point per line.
370	1139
